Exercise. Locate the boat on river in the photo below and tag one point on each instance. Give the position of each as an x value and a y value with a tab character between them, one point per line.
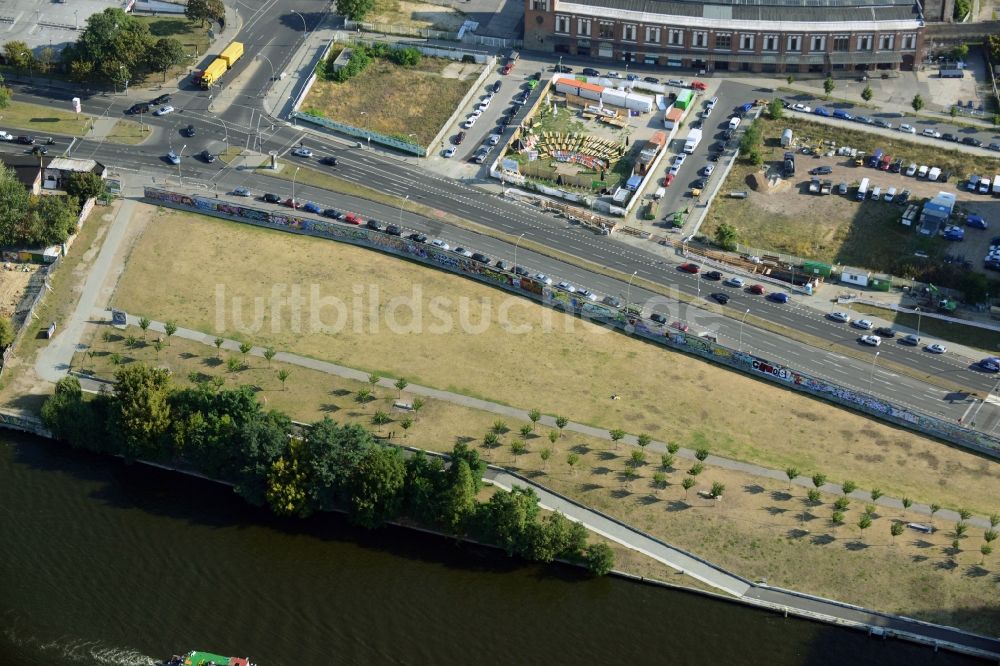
199	658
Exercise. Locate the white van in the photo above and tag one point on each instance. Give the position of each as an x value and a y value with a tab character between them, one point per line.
734	122
985	185
933	173
862	190
922	171
891	194
710	104
876	193
996	185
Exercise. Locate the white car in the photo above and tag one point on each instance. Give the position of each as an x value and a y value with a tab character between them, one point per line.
936	348
163	110
863	324
543	278
478	111
469	123
242	192
6	136
842	317
707	169
302	151
676	82
934	134
613	75
872	340
586	293
449	152
437	242
461	251
173	157
801	107
912	169
566	286
494	139
909	129
679	159
734	282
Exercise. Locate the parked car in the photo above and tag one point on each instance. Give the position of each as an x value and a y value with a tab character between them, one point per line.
872	340
976	222
417	238
207	156
292	203
820	111
778	297
864	120
863	324
333	213
312	207
690	268
821	170
566	286
658	318
437	242
734	282
713	275
843	115
680	326
613	301
932	133
909	129
504	265
698	85
481	258
590	71
271	198
883	123
757	289
241	192
948	136
721	297
910	340
461	251
543	278
707	169
936	348
972	141
650	79
448	152
351	218
802	107
841	317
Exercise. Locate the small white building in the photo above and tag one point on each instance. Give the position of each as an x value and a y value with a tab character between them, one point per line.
59	169
856	276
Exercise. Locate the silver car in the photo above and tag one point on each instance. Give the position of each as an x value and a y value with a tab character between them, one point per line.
841	317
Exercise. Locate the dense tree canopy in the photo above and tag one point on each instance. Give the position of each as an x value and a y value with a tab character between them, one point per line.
85	184
15	206
115	46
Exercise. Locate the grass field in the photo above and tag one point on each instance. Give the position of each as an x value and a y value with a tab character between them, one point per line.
43	120
396	101
561	365
758	530
191	34
128	132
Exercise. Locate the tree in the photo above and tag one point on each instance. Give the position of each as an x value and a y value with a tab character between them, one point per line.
841	503
917	103
837	519
814	497
233	364
790	79
86	185
198	10
18	55
819	480
994	519
417	404
792	473
896	529
848	487
934	509
876	493
687	484
673	448
659	481
545	454
363	395
218	346
116	358
696	469
726	237
867	94
990	536
828	86
960	52
572	459
144	325
374	489
245	348
864	523
960	529
406	423
116	44
964	514
638	458
775	109
526	430
491	440
599	557
401	385
499	427
643	440
534	416
985	549
6	94
6	332
870	510
907	503
16	201
373	380
356	10
169	328
517	447
46	57
974	286
701	454
617	435
269	354
167	52
553	436
140	413
286	491
717	490
157	347
508	516
380	418
561	422
130	341
667	461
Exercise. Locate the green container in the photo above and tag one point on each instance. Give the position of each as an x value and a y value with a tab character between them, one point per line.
817	268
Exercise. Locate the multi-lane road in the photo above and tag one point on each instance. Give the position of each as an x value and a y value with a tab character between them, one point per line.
235	118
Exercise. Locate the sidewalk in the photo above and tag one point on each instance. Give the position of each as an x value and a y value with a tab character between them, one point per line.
99	314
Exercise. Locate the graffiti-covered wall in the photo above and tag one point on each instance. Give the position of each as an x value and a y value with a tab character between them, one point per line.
598	313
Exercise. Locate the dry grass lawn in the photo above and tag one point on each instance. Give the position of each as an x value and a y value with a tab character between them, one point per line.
416	15
756	530
43	120
562	367
396	101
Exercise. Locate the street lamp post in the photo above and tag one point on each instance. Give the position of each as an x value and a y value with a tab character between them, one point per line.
293	186
516	243
179	155
261	55
742	321
917	310
305	28
628	290
871	377
405	199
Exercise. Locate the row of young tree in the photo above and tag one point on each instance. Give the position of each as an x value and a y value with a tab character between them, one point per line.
41	220
225	434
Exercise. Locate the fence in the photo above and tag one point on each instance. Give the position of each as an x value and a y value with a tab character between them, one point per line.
595	312
402	30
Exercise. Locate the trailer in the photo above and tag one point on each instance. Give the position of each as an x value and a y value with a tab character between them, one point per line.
911	215
786	138
222	64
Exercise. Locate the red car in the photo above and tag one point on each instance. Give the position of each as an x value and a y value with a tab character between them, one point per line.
698	85
351	218
669	179
757	289
690	268
680	326
292	204
506	68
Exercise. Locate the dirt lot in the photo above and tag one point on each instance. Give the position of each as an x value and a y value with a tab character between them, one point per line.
397	101
838	229
529	356
416	15
13	281
758	529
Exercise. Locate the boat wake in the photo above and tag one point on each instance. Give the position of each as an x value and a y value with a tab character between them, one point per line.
76	650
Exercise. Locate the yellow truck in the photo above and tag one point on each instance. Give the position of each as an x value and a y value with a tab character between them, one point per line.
211	74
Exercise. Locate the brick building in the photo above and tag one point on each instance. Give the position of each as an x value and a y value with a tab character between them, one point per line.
774	36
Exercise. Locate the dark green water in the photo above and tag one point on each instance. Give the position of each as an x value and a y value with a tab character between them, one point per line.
103	563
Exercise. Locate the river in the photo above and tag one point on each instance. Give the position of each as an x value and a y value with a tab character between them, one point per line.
107	563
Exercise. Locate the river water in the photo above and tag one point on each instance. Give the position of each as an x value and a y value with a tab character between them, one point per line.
107	563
